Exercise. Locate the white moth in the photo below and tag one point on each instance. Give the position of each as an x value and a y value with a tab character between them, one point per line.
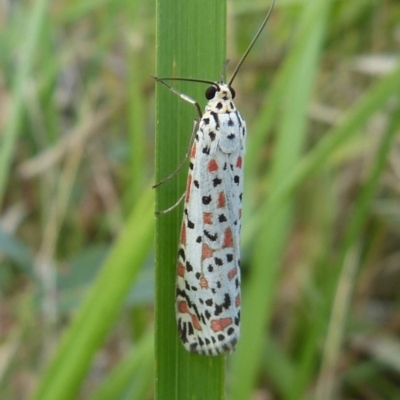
208	272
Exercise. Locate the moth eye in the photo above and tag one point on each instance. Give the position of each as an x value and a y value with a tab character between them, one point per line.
233	93
210	92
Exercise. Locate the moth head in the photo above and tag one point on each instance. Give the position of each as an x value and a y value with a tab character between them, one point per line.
224	92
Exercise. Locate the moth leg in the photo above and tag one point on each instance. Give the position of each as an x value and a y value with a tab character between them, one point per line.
172	207
194	103
171	175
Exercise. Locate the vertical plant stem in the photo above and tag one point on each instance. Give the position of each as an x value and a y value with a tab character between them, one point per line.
349	261
190	44
63	376
9	137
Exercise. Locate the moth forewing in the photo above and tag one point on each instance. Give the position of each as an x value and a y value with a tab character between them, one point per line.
208	278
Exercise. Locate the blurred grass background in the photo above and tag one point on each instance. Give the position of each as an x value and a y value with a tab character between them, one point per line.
321	223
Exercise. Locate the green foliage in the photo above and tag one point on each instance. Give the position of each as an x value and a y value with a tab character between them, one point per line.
321	232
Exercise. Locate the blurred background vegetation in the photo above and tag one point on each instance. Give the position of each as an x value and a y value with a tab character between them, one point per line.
321	224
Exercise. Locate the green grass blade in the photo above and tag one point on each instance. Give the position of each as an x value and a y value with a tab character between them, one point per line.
100	308
137	367
27	54
348	263
370	103
190	44
357	117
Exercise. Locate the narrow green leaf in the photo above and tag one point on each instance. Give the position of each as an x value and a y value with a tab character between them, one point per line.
27	54
190	44
66	371
343	279
136	367
374	99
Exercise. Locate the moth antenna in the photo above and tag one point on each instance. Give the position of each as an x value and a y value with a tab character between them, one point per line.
251	44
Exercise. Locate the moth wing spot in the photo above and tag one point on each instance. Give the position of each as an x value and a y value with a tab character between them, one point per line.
218	325
183	235
237	300
183	307
221	200
207	218
196	323
203	282
206	251
188	187
193	152
212	166
228	238
232	273
181	270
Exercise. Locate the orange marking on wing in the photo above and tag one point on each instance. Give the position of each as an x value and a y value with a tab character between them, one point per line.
193	152
203	282
212	166
221	199
228	239
207	218
196	322
218	325
232	273
183	307
237	300
239	162
183	234
188	186
181	269
206	252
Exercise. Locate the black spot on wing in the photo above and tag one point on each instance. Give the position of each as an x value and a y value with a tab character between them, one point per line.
181	253
227	301
221	218
216	181
218	261
206	200
213	238
183	331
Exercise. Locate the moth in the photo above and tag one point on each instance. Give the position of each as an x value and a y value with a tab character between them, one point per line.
208	269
